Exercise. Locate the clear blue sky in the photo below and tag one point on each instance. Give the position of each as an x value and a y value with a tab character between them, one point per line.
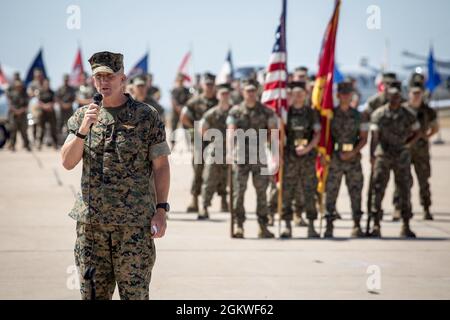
170	27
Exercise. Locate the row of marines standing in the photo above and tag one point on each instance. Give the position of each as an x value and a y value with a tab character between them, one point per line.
399	128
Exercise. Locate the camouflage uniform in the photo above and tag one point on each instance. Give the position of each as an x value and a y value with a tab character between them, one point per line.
122	253
245	118
47	116
420	153
215	175
18	99
394	127
155	104
194	110
180	96
124	142
122	208
33	88
345	134
301	125
66	96
373	103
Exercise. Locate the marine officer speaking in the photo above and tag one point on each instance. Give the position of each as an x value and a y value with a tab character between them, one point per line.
121	143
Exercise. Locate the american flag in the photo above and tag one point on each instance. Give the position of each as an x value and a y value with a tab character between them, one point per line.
274	95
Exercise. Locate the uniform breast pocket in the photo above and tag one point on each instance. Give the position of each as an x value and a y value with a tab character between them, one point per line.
94	141
128	144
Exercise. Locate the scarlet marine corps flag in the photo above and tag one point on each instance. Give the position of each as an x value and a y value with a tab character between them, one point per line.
322	96
76	76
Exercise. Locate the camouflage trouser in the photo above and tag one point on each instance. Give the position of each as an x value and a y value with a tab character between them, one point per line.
353	179
214	179
273	196
196	186
401	165
50	117
122	254
19	124
260	182
299	171
420	160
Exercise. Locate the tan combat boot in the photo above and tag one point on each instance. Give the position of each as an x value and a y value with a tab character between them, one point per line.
287	232
239	231
203	214
396	215
193	206
299	221
406	231
426	214
312	233
356	231
264	233
329	229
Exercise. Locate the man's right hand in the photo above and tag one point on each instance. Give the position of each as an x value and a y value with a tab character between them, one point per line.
90	117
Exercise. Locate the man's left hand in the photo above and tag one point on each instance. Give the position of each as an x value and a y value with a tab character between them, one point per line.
159	221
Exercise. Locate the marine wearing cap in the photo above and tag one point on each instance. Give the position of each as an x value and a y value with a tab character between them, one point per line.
224	87
395	87
297	86
345	87
107	62
250	84
209	78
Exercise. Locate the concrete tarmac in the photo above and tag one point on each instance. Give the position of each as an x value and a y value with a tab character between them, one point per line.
199	260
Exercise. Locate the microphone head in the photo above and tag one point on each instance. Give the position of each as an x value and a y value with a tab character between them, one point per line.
98	98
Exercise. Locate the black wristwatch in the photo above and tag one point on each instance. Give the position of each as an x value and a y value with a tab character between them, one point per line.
164	206
81	136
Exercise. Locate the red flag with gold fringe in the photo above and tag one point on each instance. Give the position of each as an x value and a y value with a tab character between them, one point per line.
322	96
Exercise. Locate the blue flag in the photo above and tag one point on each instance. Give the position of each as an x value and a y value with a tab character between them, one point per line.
140	68
338	76
434	78
38	63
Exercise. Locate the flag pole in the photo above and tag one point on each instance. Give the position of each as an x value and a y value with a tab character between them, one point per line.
282	129
325	173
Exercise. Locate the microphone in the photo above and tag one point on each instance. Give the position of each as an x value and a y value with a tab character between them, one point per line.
97	100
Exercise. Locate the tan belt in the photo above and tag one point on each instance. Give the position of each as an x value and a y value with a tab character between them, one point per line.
344	147
301	142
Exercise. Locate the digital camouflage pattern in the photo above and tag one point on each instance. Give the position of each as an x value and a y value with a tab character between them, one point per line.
121	254
106	62
47	116
346	127
376	101
420	152
394	128
122	149
66	95
194	110
245	118
18	99
215	175
301	125
179	97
